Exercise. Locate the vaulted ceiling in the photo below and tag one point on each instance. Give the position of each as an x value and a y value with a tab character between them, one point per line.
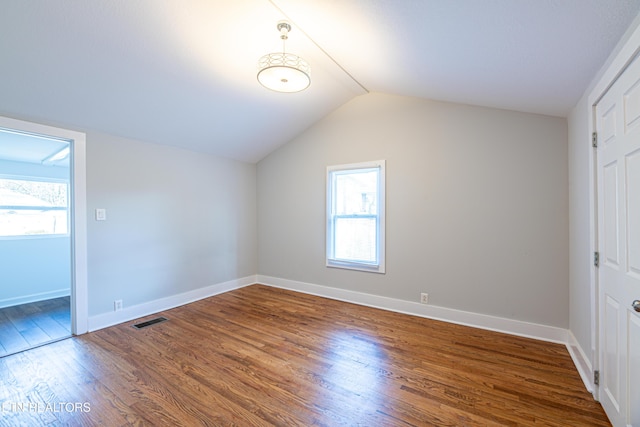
183	72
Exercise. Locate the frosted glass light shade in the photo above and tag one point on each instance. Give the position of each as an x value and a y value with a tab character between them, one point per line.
284	72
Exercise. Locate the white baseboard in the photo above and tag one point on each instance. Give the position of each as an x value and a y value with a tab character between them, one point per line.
580	359
482	321
26	299
476	320
134	312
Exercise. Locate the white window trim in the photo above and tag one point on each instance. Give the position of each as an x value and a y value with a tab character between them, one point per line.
353	265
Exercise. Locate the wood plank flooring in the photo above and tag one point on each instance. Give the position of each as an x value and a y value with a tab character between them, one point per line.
261	356
30	325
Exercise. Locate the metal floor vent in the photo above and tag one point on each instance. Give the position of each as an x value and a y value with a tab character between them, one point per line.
150	322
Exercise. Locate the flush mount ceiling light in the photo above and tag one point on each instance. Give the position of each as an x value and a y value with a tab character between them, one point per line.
282	71
57	156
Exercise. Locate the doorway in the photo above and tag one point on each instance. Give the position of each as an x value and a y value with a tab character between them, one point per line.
35	242
43	295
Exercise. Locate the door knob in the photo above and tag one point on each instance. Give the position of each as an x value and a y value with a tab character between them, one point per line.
636	305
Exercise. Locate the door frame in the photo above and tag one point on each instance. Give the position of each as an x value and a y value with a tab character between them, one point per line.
78	199
617	63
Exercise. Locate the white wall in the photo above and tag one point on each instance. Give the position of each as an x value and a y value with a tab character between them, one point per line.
176	221
581	253
477	205
34	268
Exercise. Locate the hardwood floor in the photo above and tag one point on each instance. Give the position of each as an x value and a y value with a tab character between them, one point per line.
264	356
30	325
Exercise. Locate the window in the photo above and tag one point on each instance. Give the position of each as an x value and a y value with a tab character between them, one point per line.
33	207
355	216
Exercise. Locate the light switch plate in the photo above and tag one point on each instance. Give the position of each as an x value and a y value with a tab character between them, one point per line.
101	214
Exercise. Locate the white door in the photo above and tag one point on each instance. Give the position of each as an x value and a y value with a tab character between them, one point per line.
618	175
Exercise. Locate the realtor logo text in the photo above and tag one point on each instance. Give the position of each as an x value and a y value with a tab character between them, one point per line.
48	407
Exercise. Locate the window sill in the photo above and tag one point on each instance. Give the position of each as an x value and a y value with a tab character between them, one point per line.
35	237
356	266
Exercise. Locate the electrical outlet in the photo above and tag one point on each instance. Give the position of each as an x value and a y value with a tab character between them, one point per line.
117	305
424	298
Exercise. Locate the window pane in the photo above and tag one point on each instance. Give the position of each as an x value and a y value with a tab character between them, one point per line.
18	192
32	222
355	239
33	207
356	193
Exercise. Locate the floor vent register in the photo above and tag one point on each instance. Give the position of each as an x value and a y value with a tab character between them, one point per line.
150	322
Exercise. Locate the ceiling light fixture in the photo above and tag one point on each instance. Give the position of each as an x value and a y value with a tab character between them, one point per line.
282	71
59	155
